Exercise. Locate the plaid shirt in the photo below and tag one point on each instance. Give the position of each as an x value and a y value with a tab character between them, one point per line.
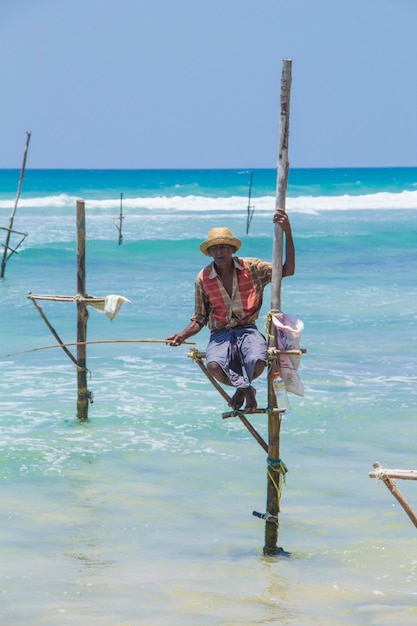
214	306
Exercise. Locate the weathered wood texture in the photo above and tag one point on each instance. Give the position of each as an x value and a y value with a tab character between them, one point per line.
282	179
82	317
274	418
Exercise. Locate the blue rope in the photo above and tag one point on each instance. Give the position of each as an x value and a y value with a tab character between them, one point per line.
278	465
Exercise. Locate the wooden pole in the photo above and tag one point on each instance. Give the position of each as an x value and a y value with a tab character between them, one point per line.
282	179
82	317
250	207
11	220
120	221
274	418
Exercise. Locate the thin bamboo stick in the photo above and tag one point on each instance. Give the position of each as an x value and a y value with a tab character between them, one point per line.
11	219
88	343
251	209
55	334
120	220
16	245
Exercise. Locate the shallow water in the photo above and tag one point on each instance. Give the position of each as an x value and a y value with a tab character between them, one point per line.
143	514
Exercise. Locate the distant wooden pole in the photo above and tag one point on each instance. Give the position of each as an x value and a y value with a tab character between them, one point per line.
11	220
82	317
274	418
120	220
250	207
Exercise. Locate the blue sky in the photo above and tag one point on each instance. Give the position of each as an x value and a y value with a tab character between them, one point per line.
195	83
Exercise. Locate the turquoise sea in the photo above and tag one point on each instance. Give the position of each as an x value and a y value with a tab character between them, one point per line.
143	514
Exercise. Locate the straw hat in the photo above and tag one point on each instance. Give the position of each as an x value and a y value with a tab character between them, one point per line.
218	236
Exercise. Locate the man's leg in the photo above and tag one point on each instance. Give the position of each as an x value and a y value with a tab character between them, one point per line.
253	350
216	371
217	361
250	397
238	397
259	368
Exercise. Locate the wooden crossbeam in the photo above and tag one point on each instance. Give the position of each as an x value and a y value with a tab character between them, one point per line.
236	412
57	298
394	473
386	475
272	353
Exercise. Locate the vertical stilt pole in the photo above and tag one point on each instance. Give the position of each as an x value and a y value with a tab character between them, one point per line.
120	220
250	207
11	220
274	419
82	317
281	188
272	499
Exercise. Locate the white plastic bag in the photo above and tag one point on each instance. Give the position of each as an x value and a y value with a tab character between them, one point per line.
288	335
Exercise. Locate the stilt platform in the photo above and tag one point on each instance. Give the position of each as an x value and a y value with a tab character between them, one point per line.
238	412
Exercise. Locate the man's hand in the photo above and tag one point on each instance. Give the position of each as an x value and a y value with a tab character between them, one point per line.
282	219
175	340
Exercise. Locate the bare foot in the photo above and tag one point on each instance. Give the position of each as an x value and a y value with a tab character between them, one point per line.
238	399
251	404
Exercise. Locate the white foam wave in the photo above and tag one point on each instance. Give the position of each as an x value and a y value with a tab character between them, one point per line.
192	203
58	201
380	200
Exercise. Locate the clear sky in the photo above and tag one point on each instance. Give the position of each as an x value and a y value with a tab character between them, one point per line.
196	83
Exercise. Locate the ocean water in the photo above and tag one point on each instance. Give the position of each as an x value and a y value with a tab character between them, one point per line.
143	514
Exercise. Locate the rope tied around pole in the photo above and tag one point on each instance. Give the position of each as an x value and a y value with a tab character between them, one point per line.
83	369
268	322
280	469
277	466
381	473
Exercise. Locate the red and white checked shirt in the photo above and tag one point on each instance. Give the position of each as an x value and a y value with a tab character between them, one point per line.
214	306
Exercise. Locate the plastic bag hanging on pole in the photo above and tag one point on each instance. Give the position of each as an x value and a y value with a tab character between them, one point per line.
288	335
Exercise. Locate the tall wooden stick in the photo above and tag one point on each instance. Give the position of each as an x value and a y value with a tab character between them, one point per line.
82	317
120	218
251	208
282	179
11	220
274	418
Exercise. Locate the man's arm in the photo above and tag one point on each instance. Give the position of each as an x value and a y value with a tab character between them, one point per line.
281	218
198	319
178	338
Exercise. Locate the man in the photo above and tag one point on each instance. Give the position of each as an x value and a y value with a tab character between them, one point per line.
228	298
